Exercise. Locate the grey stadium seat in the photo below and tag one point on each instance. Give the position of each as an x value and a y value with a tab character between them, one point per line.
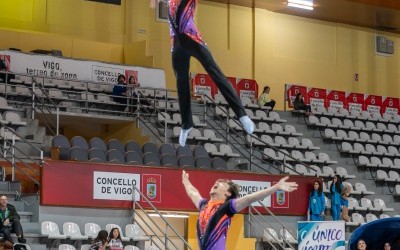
186	151
200	151
78	154
115	156
133	146
116	144
133	158
151	159
167	149
168	160
97	143
97	153
186	161
150	147
61	142
79	141
218	164
203	162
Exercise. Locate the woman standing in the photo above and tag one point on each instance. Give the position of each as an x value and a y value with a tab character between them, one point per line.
316	203
336	194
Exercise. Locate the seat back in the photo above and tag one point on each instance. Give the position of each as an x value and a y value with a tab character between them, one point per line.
218	163
357	218
117	145
184	151
85	247
97	153
92	229
97	143
186	161
353	203
78	154
151	159
133	157
133	146
203	162
66	247
50	228
168	160
366	203
115	156
270	235
200	151
370	217
379	203
79	141
167	149
71	229
150	147
133	230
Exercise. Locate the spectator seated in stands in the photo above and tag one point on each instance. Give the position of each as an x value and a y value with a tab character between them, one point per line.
299	104
115	242
265	100
132	85
10	221
3	76
120	92
100	242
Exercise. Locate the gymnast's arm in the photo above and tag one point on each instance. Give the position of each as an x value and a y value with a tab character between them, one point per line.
191	191
246	200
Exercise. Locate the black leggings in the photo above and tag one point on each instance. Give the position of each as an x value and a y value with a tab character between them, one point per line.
184	48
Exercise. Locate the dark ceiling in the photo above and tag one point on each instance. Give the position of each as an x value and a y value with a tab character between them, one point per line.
376	14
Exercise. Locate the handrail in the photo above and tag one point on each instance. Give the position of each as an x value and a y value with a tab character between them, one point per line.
136	203
49	122
11	149
21	137
285	242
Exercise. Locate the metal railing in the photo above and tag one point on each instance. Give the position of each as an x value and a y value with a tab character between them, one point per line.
9	149
273	240
42	104
168	232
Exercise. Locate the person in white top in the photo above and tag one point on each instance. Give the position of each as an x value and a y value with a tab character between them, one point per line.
114	240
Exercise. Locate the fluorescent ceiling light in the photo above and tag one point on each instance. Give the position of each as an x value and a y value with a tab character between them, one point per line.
169	215
302	4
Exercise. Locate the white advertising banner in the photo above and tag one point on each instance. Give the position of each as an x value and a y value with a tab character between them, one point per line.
74	69
321	235
115	186
249	187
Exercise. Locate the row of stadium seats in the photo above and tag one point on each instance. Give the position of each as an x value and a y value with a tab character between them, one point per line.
132	153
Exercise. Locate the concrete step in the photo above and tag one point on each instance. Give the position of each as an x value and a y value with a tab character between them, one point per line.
25	216
31	227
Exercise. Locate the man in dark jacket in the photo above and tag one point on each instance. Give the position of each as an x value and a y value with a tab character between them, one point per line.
10	221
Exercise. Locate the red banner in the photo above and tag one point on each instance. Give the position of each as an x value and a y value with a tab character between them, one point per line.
106	185
373	103
133	73
354	101
247	88
316	97
203	84
232	80
7	60
335	99
292	91
390	105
